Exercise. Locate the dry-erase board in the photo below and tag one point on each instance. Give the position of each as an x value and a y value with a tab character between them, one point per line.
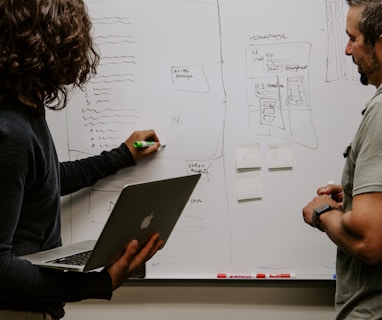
256	95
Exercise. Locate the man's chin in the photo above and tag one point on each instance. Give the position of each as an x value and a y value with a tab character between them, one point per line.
363	79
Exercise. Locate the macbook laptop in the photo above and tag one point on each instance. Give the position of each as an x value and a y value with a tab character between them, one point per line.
140	211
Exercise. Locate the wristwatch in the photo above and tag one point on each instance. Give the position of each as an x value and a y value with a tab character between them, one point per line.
318	212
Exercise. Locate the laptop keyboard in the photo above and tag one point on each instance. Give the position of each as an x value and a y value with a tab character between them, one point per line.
80	259
77	259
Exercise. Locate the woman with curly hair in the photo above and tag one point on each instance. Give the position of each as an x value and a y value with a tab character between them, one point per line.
45	49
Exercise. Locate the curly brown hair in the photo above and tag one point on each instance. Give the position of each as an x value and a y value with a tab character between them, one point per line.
45	45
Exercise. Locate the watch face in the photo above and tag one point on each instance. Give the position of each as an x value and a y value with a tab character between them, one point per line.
320	210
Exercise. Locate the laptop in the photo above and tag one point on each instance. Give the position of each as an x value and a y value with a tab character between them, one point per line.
141	210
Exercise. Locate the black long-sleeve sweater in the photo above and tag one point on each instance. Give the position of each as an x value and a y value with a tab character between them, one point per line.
31	183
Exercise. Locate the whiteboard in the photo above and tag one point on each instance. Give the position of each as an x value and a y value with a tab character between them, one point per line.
256	95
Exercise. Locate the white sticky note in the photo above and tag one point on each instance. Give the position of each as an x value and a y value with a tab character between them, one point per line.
248	156
279	156
249	187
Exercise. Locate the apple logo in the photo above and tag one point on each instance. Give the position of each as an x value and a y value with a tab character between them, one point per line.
146	221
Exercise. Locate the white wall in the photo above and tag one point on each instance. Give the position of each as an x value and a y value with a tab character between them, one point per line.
268	301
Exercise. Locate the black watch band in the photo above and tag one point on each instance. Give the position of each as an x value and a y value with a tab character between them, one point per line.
319	211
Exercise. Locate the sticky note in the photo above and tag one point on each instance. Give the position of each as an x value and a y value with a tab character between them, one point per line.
279	156
249	187
248	156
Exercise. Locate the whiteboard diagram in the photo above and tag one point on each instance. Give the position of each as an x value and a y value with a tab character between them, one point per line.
150	79
278	92
153	74
213	77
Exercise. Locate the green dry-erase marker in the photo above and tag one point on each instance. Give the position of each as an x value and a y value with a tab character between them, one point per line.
143	144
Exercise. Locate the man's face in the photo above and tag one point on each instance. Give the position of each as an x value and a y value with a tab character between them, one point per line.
363	55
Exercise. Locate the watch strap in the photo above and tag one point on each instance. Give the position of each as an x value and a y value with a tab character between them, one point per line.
317	212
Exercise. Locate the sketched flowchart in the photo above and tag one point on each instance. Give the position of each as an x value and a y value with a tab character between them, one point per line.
278	92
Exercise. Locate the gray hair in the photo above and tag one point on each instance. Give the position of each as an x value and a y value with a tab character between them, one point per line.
370	24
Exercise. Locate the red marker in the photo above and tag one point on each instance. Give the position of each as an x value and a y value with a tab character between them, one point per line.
275	275
234	276
256	276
